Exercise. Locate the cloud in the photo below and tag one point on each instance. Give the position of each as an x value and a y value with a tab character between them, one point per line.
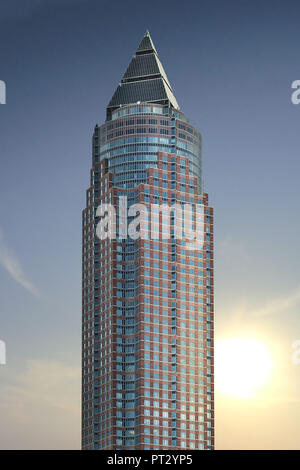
40	407
229	247
12	265
279	305
43	381
237	253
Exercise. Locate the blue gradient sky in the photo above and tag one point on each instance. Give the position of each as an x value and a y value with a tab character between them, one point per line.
231	65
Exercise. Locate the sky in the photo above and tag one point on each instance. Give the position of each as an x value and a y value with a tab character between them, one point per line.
231	65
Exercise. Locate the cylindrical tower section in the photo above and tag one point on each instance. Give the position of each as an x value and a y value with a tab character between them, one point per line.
131	140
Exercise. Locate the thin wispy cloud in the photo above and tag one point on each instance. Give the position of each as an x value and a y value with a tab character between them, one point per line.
228	246
238	252
40	406
10	262
277	306
280	304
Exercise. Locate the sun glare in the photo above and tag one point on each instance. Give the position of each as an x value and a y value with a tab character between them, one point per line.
243	367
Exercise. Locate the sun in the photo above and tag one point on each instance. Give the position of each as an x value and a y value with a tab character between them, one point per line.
243	366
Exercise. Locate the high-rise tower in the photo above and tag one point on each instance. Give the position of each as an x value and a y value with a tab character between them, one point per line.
147	310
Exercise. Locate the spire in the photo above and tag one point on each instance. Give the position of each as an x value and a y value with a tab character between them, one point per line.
146	45
144	80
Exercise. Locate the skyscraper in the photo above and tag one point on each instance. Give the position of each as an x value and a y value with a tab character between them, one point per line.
147	310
